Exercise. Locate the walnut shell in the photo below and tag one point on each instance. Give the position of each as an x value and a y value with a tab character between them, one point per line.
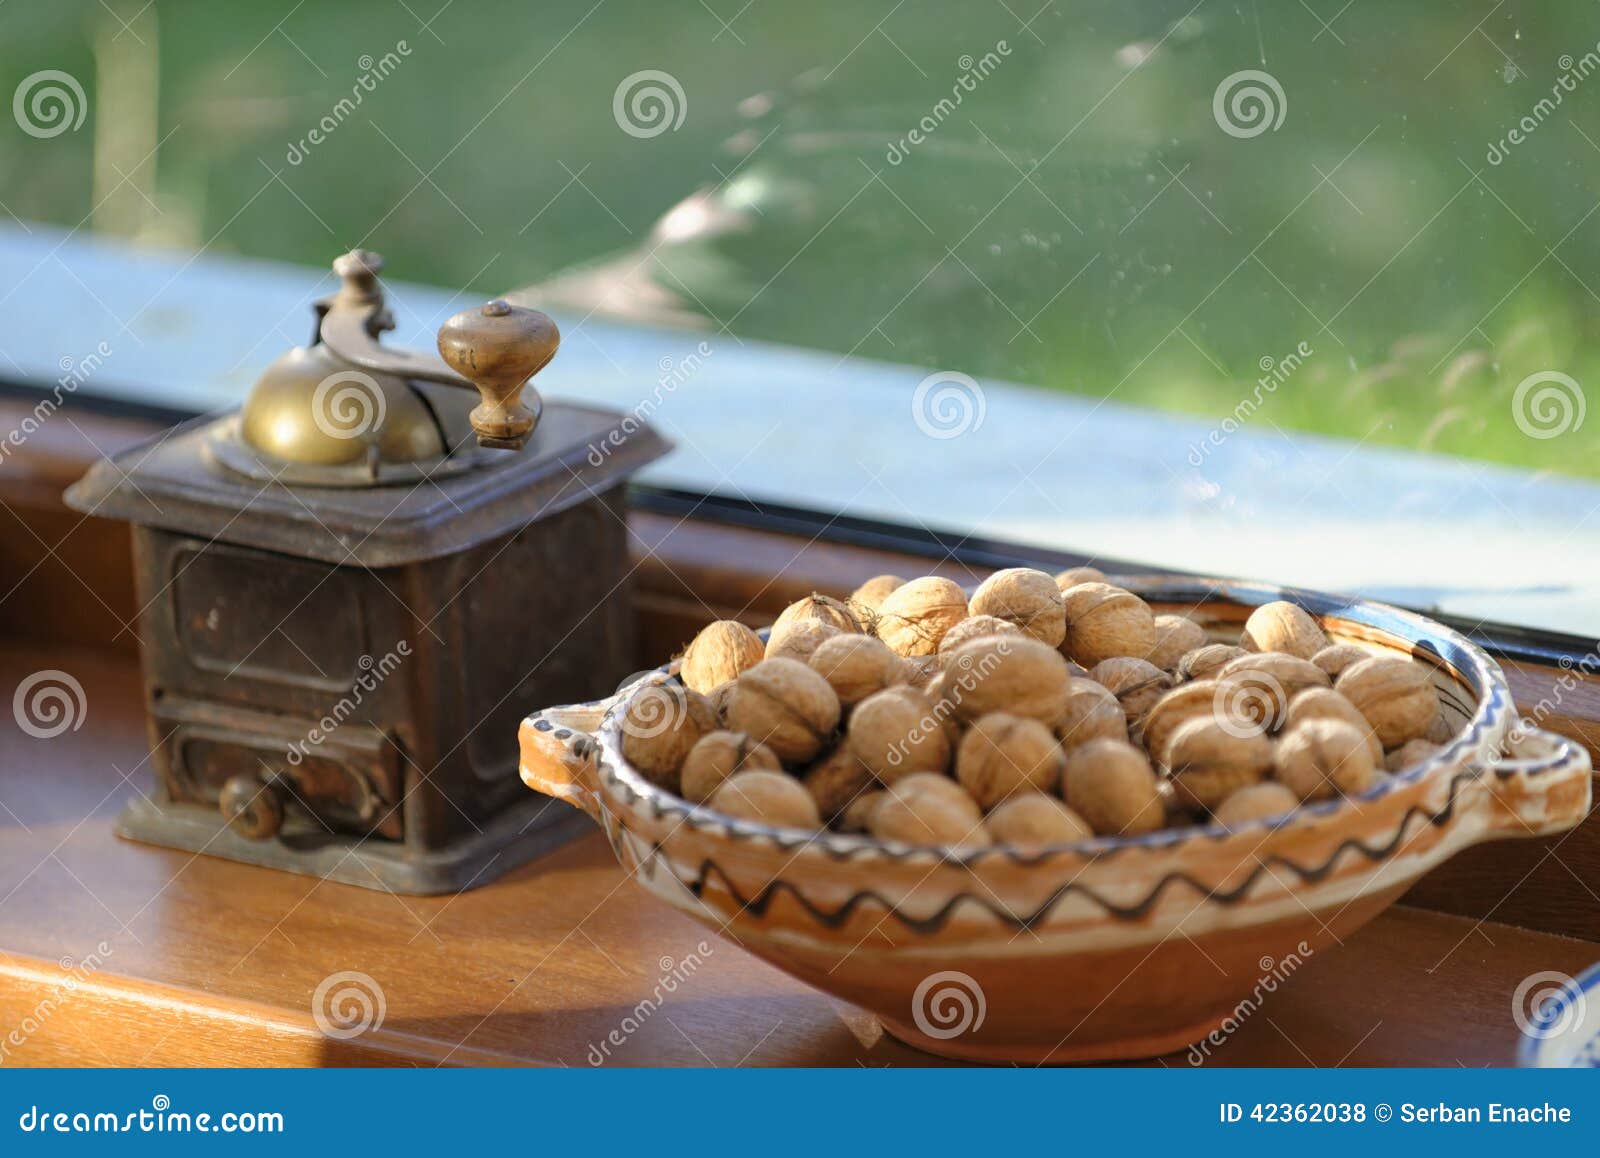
1176	637
785	705
836	780
855	666
1321	759
913	618
1089	712
927	808
718	654
1260	686
1256	802
1137	684
896	732
974	627
1034	820
999	674
919	671
661	722
1198	699
871	594
767	798
799	639
1410	754
1207	761
1072	576
717	756
1285	627
719	698
1027	598
835	613
1334	658
1112	787
1395	695
1001	755
1327	704
1205	662
857	815
1103	622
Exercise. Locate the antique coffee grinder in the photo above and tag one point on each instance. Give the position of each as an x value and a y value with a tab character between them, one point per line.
353	588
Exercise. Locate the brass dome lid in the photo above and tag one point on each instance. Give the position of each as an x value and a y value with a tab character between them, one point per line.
313	408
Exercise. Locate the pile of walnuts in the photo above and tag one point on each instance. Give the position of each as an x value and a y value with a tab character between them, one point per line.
1041	711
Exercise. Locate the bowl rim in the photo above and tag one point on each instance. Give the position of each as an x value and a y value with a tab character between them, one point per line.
1430	640
1531	1050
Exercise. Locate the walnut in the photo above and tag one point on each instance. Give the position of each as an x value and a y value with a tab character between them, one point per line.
1072	576
1321	759
1195	700
799	639
719	698
1137	684
717	756
1327	704
855	666
1204	662
857	815
1260	686
1207	761
718	654
975	627
914	617
1395	695
661	722
1256	802
1112	786
822	608
896	732
836	780
1001	755
927	808
1284	627
999	674
786	706
1176	637
1025	597
1034	820
767	798
1334	658
919	671
871	594
1410	754
1089	712
1104	622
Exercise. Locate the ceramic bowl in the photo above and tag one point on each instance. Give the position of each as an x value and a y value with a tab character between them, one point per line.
1110	948
1560	1020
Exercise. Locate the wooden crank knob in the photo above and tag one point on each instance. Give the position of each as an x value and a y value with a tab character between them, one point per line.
498	347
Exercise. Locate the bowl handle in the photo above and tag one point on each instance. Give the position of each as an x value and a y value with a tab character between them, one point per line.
1542	784
559	754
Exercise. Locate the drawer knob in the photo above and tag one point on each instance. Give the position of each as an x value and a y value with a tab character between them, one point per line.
252	806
